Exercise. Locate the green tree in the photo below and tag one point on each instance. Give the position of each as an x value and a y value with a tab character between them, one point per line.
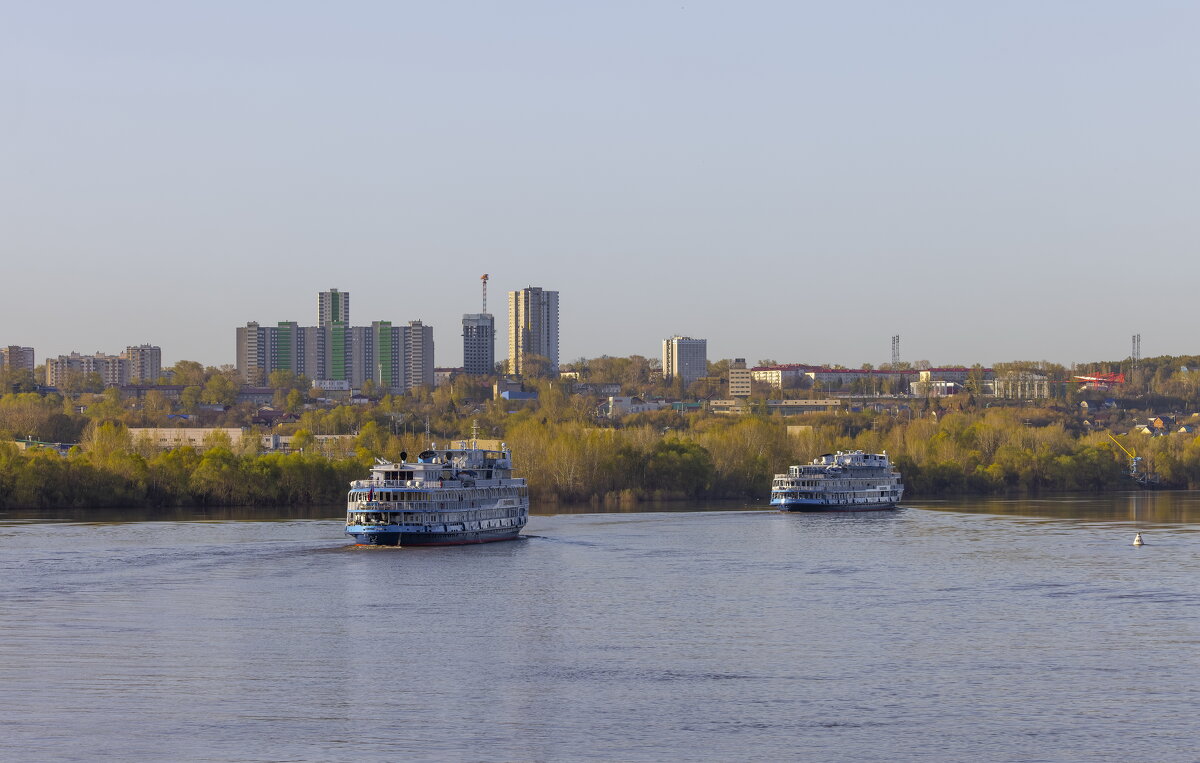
303	441
189	373
682	467
108	405
189	399
17	380
219	390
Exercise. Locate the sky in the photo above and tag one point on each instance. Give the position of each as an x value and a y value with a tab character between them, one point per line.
797	181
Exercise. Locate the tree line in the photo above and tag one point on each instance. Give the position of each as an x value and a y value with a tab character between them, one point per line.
653	457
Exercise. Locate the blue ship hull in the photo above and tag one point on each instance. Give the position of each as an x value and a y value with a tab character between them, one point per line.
786	505
386	537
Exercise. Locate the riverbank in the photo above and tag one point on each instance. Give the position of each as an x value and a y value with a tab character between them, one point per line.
991	452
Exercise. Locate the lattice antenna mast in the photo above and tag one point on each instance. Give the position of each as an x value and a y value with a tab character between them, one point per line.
1136	353
484	279
895	350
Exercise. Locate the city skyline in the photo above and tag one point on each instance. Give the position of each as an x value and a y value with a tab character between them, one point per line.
1133	344
792	181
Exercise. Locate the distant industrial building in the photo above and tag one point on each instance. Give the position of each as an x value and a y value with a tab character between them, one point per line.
684	358
532	328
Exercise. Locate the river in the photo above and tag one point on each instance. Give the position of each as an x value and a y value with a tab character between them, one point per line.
946	630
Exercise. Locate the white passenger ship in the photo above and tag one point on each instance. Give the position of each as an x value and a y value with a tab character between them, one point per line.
842	481
447	497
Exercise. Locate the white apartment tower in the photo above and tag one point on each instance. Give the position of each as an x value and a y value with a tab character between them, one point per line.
333	306
684	358
532	328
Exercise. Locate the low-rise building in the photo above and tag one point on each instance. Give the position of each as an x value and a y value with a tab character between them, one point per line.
256	395
936	388
784	376
1022	385
28	443
599	389
178	437
621	406
139	391
776	407
796	407
836	378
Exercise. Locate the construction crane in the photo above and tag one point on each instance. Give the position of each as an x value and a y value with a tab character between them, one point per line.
1136	472
484	279
1100	381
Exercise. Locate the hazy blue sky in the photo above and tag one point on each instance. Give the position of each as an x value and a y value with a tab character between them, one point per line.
795	180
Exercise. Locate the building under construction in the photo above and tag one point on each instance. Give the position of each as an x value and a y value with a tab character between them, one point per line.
479	339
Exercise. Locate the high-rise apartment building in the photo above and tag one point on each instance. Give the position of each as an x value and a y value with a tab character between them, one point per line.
388	348
532	328
143	363
113	370
251	355
333	306
14	357
395	357
418	355
479	343
684	358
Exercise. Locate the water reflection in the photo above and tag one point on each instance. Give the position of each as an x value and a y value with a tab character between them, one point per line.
646	507
1168	507
334	512
172	514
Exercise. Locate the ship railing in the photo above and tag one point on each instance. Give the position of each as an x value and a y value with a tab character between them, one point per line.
433	483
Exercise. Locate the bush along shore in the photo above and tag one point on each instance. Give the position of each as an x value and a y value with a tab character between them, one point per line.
666	457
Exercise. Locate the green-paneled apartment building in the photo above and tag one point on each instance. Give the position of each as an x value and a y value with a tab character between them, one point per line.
396	357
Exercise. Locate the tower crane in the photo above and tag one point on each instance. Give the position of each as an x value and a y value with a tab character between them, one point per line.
1136	472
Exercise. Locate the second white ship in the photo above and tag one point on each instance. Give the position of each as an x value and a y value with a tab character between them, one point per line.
842	481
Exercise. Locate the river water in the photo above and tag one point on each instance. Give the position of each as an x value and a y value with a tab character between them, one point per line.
947	630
